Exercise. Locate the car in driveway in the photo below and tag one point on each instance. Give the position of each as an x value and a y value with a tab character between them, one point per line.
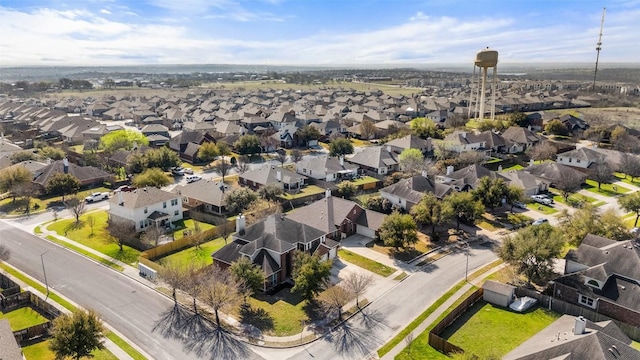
125	188
522	304
177	171
193	178
520	205
541	199
188	171
97	196
540	221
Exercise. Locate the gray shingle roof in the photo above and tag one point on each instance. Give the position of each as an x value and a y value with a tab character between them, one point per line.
206	191
143	197
374	157
412	189
277	233
85	174
268	175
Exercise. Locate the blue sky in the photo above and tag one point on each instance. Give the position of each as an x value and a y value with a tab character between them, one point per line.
313	32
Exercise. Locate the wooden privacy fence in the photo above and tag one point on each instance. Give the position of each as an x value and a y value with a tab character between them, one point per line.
564	307
29	299
26	336
9	286
441	344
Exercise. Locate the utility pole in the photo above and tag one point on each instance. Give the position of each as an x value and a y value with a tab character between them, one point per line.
598	48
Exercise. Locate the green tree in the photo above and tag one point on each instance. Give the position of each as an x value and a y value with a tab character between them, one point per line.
347	189
63	184
464	208
513	195
151	177
20	156
238	200
309	274
76	335
122	139
411	160
398	230
490	192
556	127
163	158
308	133
519	118
248	145
52	153
577	225
136	163
340	146
207	152
249	275
270	192
631	203
612	226
430	211
532	250
12	178
425	128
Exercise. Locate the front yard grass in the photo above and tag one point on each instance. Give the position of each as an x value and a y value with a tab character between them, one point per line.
622	177
486	324
200	256
547	210
280	314
574	199
605	189
423	245
365	263
40	351
98	240
305	191
23	318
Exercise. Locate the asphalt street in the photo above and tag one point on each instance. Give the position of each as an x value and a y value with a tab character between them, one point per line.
128	306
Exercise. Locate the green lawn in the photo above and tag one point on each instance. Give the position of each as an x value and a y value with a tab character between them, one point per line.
624	179
40	351
362	199
359	143
364	180
188	225
280	314
547	210
99	240
635	345
605	189
305	191
487	324
200	256
365	263
513	167
574	199
23	318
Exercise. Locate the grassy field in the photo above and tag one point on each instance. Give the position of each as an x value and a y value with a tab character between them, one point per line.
605	189
188	225
40	351
547	210
279	315
365	263
305	191
23	318
487	324
98	240
200	256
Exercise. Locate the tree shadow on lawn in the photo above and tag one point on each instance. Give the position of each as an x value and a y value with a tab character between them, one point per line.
259	318
463	319
283	295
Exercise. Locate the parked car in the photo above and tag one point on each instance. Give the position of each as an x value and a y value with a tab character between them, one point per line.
520	205
540	221
522	304
97	196
193	178
188	171
541	199
177	171
125	188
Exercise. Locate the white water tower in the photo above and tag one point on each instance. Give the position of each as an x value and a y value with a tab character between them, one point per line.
485	59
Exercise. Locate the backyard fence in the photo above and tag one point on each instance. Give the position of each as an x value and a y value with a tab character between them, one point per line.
26	336
564	307
9	286
441	344
27	298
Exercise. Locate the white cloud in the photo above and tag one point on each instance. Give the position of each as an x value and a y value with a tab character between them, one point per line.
77	37
105	11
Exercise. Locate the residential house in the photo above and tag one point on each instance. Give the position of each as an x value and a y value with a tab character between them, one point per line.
88	176
583	158
207	196
530	184
338	217
10	348
493	141
270	244
460	141
573	123
572	337
376	160
326	168
187	144
552	172
286	179
408	192
144	207
466	178
603	275
518	139
410	142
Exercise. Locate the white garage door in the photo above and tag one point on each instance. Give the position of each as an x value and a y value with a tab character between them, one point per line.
368	232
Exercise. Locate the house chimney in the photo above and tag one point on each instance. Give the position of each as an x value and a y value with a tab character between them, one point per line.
279	175
499	168
240	223
450	169
388	148
531	162
327	193
65	163
120	198
463	134
580	326
424	173
341	160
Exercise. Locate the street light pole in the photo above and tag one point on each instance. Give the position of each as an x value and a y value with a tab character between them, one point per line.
466	270
46	283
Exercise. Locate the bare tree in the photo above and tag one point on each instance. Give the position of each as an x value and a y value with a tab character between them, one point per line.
626	143
91	220
173	274
76	205
222	167
221	292
568	184
242	165
455	121
357	283
224	231
281	156
467	158
152	235
194	282
601	173
296	155
542	151
334	298
122	232
5	253
630	165
367	129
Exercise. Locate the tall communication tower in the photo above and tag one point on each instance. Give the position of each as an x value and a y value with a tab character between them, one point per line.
598	48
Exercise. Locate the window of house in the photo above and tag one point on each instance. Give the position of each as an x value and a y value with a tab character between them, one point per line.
164	205
141	223
274	278
569	159
175	213
174	202
586	301
146	210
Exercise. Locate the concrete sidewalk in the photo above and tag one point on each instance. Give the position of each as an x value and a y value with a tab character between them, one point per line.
439	311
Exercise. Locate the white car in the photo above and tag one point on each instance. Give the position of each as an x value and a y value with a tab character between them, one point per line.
97	196
193	178
522	304
542	199
540	221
